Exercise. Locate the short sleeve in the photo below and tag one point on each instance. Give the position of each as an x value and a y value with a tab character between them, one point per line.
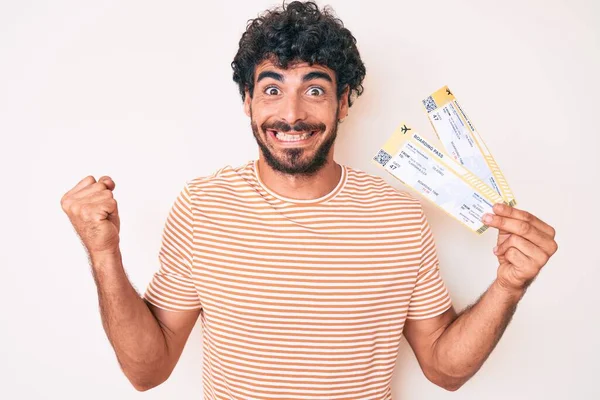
430	296
172	286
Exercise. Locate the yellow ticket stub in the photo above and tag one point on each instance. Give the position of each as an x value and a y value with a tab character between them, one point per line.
418	164
463	143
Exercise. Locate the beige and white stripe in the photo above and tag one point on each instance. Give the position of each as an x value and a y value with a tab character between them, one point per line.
299	299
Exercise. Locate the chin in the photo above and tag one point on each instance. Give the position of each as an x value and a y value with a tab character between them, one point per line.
306	159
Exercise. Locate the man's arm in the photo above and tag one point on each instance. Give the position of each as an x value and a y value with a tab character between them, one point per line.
450	348
147	340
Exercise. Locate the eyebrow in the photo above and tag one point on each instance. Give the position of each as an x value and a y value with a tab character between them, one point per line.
269	74
316	75
308	77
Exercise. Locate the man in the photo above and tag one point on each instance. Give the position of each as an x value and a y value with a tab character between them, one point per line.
305	273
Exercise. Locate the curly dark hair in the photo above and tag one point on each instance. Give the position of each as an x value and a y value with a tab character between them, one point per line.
299	32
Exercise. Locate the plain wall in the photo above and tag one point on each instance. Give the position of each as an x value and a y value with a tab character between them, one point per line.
142	91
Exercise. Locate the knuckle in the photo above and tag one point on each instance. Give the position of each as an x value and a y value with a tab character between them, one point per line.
508	243
545	259
552	232
88	180
524	228
64	203
510	253
75	209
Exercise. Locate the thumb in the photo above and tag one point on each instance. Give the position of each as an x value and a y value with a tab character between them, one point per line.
110	207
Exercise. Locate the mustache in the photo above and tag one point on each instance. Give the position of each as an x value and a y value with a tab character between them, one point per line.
301	126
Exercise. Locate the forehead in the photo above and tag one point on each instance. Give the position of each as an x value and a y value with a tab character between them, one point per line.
297	69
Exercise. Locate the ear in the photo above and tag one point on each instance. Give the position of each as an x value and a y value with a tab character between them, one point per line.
343	106
247	101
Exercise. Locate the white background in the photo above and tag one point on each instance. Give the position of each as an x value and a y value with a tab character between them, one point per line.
142	91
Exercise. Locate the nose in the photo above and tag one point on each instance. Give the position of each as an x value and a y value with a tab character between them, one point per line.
292	110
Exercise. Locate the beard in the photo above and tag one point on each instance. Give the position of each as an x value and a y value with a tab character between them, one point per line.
291	161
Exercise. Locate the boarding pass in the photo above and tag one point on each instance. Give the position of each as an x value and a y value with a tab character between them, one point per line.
462	141
435	174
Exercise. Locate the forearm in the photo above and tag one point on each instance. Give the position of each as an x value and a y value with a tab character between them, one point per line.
132	329
466	343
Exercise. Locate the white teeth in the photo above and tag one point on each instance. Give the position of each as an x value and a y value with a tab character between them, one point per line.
291	138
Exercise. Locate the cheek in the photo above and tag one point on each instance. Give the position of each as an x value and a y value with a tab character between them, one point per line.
261	112
329	120
322	113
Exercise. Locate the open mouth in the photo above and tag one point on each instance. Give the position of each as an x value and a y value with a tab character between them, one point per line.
296	137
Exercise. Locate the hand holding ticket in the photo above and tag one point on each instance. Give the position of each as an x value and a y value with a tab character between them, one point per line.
434	174
525	244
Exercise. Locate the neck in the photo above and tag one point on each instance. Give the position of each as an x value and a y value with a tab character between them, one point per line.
300	187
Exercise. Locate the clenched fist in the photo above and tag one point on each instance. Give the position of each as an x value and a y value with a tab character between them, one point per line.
94	214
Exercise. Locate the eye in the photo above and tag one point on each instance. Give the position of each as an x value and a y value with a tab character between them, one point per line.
315	91
271	90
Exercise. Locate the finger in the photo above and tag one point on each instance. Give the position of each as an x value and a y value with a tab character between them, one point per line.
517	258
88	191
107	180
521	228
511	212
98	210
99	196
103	183
525	247
107	208
88	180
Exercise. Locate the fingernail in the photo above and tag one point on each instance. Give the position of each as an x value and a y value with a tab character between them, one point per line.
499	206
487	218
495	249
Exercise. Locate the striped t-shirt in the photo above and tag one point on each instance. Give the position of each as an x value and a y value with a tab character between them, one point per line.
299	299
